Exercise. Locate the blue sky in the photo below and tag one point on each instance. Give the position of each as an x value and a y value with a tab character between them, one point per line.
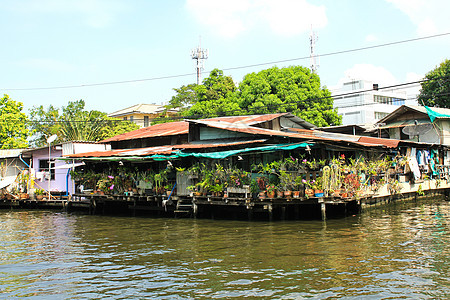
64	43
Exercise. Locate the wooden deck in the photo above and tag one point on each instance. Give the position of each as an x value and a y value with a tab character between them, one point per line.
237	207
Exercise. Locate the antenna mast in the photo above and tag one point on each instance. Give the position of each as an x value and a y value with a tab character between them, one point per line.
199	55
312	42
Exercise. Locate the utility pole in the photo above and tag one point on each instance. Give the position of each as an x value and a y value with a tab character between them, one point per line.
199	55
312	56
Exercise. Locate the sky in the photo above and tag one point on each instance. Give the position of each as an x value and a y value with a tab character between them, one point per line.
117	53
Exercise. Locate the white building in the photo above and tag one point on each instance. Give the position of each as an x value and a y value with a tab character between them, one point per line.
361	102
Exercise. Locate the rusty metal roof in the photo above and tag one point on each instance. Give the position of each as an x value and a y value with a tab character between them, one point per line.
125	152
249	120
158	130
213	145
182	127
161	150
372	141
243	128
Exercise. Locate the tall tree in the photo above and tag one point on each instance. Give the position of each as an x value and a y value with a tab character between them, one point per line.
185	97
295	89
13	124
213	97
436	90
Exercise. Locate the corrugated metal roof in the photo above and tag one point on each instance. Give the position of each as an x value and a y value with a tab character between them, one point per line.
162	150
243	128
213	145
7	153
372	141
126	152
249	120
158	130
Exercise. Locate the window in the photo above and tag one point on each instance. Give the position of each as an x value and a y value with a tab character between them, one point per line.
388	100
131	118
124	118
43	167
380	115
146	122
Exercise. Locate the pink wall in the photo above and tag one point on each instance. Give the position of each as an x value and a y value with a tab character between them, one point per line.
59	183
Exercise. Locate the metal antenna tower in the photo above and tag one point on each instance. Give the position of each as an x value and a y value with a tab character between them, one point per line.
199	55
312	42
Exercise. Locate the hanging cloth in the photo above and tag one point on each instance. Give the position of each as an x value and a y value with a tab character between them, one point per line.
413	164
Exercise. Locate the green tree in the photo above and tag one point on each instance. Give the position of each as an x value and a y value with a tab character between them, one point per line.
74	123
435	91
215	97
13	124
185	97
295	89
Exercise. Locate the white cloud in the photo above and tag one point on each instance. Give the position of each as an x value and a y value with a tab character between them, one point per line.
94	13
430	17
233	17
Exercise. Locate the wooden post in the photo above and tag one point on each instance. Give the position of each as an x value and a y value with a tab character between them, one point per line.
324	211
283	213
270	208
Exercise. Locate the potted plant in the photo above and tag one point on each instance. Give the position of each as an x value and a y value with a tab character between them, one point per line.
217	189
262	182
317	186
271	190
39	193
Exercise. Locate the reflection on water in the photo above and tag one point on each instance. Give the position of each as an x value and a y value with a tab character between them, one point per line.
397	252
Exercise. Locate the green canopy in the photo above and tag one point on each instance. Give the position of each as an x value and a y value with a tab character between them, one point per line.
224	154
179	154
433	115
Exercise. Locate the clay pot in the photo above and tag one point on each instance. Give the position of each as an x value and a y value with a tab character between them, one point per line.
271	194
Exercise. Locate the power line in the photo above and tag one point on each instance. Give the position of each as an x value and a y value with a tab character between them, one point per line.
224	113
230	68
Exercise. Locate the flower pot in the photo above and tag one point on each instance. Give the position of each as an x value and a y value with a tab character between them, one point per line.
309	192
287	194
39	197
271	194
296	194
280	194
262	195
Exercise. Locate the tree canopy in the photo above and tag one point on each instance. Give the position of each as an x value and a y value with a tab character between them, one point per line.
13	124
436	89
293	89
74	123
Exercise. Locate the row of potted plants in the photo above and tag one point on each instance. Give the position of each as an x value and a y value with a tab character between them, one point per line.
307	177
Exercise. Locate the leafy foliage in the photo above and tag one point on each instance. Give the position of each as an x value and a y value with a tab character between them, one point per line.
436	91
74	123
13	124
293	89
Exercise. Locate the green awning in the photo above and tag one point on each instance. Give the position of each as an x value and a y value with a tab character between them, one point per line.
180	154
433	114
225	154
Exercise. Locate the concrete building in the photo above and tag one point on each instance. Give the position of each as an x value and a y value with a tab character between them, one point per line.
141	114
361	102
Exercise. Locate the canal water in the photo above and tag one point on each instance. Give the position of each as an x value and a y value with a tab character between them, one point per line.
400	251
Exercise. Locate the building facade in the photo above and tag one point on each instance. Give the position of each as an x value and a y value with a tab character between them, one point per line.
361	102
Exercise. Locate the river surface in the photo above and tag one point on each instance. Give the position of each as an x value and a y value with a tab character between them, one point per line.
400	251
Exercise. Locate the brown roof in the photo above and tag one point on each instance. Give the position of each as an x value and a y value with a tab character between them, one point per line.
162	150
165	129
372	141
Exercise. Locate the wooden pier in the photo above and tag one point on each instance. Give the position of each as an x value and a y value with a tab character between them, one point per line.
243	208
